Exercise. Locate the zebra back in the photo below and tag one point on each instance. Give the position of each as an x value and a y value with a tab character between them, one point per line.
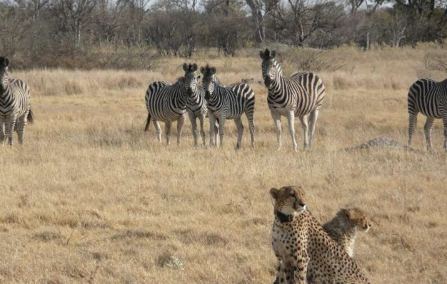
15	100
166	102
418	99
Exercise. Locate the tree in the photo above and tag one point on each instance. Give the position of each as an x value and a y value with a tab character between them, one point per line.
72	15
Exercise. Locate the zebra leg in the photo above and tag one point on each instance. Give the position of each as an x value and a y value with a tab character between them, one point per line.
444	120
193	118
167	131
212	129
10	130
291	120
180	123
202	131
277	121
21	127
2	132
312	121
157	130
305	124
412	122
221	129
427	131
251	127
240	131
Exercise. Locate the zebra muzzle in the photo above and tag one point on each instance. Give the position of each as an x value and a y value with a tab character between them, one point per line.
267	81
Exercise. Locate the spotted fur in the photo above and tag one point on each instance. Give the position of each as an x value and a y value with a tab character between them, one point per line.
344	226
305	252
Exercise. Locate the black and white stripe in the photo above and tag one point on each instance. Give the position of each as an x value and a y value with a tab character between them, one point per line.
15	107
196	108
301	96
429	98
228	103
167	103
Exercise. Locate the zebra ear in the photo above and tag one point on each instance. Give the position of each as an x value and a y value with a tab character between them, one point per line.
273	54
185	67
4	61
202	70
194	67
261	54
212	70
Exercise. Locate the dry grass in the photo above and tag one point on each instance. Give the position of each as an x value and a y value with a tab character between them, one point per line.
91	198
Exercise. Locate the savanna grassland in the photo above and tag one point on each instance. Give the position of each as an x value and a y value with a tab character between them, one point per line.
91	198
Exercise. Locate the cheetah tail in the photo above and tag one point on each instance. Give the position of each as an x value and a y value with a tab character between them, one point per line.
148	122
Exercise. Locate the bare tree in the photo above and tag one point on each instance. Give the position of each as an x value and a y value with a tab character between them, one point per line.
73	14
257	7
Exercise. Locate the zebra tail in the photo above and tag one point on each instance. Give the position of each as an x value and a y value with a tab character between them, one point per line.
148	122
30	117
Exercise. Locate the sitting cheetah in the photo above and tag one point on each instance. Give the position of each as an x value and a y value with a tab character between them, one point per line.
344	226
303	248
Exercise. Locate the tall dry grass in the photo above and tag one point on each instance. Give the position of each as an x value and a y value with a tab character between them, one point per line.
90	198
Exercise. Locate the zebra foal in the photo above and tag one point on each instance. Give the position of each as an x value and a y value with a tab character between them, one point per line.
15	107
227	103
429	98
301	96
167	103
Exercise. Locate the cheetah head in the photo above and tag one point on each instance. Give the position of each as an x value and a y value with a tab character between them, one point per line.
356	218
288	199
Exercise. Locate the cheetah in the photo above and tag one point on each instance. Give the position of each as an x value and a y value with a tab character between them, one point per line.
344	226
304	250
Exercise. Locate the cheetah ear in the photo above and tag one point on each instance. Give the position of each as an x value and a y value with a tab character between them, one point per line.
298	189
185	67
274	193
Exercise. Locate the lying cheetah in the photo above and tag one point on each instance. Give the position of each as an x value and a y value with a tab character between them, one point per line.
303	248
344	226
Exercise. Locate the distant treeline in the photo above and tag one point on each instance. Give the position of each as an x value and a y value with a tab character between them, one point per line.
125	33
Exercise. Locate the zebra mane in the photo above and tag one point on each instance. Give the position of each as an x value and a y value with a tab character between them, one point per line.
277	66
208	70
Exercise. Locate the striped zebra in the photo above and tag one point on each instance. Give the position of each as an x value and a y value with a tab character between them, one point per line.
301	96
429	98
15	107
167	103
196	108
227	103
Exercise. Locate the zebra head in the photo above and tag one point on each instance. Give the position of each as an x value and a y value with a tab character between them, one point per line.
208	80
4	63
190	80
270	68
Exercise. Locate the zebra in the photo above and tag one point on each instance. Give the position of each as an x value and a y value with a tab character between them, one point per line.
196	108
301	96
430	98
167	103
15	107
227	103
